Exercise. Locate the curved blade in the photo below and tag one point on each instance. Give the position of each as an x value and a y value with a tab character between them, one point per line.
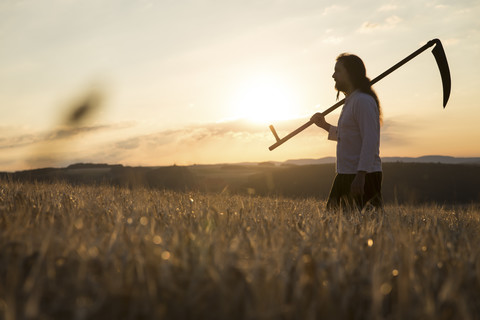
442	63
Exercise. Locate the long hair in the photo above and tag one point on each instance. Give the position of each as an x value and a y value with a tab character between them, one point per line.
358	76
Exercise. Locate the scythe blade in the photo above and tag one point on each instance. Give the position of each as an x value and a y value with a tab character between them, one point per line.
442	63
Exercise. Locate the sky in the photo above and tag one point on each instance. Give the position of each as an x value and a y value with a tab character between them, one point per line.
199	82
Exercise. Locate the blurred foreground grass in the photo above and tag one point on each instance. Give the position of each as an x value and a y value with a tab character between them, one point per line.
86	252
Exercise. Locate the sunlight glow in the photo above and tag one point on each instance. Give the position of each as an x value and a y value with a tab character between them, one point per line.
264	100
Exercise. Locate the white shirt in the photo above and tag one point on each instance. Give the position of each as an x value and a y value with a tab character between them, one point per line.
358	135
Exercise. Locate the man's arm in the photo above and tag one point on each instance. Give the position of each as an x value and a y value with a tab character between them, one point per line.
366	115
319	119
367	118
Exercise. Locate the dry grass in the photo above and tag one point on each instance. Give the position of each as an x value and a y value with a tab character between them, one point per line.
84	252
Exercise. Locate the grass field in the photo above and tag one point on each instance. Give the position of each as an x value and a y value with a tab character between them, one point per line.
102	252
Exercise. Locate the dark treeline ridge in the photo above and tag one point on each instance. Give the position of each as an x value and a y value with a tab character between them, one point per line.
174	177
402	182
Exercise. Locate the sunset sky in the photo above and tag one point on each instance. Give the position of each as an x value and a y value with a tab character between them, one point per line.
198	82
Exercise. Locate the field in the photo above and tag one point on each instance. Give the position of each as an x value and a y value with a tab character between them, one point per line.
106	252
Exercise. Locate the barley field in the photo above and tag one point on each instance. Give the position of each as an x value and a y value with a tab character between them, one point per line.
104	252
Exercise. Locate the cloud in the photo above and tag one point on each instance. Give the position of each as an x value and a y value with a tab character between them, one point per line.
394	131
18	141
195	133
220	142
56	147
450	42
132	143
334	40
68	132
201	143
333	9
62	133
389	23
387	7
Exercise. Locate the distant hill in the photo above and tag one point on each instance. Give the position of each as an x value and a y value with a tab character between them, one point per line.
302	162
422	159
433	159
428	180
173	177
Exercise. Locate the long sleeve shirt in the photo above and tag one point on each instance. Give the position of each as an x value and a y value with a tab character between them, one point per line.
358	135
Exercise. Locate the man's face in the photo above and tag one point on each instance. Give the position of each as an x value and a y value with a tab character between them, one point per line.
340	75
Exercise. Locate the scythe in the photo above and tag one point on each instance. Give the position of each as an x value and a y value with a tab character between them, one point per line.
442	64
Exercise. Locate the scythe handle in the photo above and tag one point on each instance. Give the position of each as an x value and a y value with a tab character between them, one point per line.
290	135
303	127
401	63
387	72
341	102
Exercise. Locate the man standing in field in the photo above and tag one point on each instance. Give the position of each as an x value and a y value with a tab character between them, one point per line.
359	169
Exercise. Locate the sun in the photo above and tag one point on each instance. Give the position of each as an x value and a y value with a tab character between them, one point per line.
264	100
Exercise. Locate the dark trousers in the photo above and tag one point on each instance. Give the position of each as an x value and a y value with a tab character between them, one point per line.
340	193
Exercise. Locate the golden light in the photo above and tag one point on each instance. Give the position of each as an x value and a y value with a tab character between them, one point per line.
264	100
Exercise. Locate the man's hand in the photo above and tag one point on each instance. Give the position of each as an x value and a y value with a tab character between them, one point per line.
319	119
357	188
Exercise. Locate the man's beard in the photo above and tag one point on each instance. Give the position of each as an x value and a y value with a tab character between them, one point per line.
339	86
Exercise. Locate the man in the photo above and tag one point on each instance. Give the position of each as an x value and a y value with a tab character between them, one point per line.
359	168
